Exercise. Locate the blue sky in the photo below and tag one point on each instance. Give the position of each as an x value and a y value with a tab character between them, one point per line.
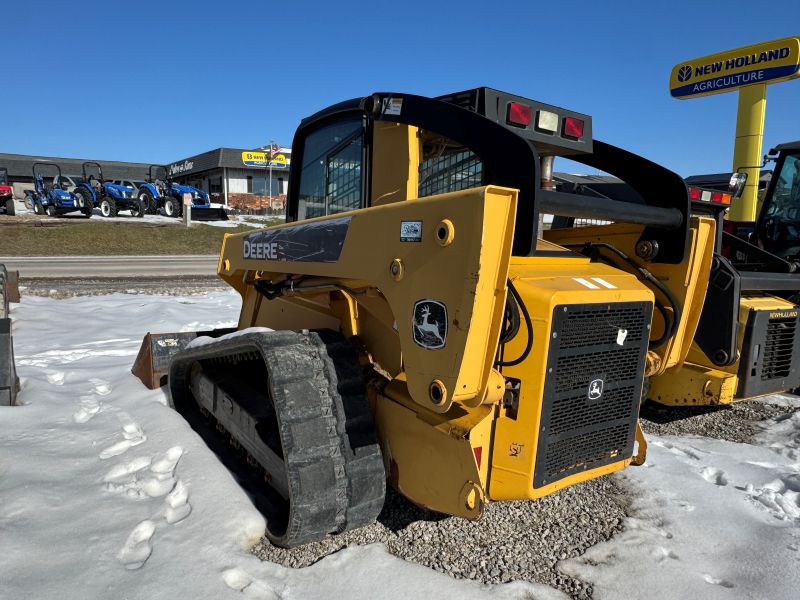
158	81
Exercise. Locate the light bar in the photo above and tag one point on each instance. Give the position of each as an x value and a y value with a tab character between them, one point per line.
709	195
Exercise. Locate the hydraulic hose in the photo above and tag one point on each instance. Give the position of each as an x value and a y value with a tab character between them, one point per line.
510	331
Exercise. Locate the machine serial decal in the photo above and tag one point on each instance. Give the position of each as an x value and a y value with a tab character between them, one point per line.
595	389
410	231
430	324
320	241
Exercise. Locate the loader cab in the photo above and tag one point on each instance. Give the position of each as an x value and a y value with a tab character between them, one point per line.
346	158
778	227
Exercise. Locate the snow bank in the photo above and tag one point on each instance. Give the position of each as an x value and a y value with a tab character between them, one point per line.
106	493
711	519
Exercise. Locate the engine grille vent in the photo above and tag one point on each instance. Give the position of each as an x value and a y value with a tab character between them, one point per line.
778	349
591	398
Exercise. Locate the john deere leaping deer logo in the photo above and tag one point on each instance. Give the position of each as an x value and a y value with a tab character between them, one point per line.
430	324
595	389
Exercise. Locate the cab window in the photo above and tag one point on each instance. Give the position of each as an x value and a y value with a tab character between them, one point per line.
331	177
446	166
786	198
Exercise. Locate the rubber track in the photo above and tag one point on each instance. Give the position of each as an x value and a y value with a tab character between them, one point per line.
334	467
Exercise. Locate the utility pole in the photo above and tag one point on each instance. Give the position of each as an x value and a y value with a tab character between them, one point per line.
271	155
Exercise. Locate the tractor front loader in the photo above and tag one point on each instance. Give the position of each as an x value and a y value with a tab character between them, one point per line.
424	332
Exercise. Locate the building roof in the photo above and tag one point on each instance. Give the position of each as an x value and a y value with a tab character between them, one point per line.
21	165
232	158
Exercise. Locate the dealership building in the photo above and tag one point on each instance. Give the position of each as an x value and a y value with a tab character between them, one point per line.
235	177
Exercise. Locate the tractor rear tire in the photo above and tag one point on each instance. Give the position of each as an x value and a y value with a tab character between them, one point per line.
84	198
147	198
11	210
138	208
172	208
108	208
51	211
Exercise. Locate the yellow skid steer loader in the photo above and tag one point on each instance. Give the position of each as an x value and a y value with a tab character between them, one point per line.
409	324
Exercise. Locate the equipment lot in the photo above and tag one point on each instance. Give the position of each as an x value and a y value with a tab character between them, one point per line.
27	234
85	464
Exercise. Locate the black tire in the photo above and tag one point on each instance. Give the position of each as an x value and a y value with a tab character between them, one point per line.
320	423
138	208
172	208
146	197
108	208
28	203
11	210
51	211
84	198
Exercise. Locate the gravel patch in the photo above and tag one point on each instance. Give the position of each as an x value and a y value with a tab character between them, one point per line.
737	422
513	541
525	540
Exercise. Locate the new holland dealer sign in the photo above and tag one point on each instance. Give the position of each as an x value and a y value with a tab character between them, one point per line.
769	62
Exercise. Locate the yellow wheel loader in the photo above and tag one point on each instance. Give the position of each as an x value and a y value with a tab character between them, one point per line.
410	324
748	339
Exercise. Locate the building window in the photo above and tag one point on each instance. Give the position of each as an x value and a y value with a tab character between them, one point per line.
249	184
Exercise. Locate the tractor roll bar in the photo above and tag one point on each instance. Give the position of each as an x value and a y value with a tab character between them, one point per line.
47	164
96	164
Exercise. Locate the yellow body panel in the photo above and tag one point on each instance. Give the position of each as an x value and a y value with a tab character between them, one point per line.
544	285
467	274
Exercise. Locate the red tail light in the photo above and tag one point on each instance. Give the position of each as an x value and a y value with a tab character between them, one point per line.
721	197
694	193
519	114
573	127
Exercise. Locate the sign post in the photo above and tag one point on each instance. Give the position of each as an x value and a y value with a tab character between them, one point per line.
749	70
187	209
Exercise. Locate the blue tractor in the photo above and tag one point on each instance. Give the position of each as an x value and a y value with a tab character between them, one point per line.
50	198
159	191
111	198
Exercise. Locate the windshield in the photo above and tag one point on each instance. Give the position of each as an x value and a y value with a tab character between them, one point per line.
785	202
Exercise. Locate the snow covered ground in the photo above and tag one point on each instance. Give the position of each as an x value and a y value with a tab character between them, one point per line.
106	493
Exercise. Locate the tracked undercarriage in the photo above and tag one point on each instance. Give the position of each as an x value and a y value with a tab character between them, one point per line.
295	405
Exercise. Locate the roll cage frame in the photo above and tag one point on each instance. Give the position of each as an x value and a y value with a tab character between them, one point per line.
510	160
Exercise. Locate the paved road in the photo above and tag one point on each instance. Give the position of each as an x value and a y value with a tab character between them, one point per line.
111	266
